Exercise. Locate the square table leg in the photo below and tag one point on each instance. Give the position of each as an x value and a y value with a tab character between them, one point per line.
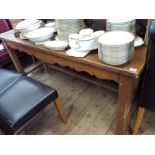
126	90
14	58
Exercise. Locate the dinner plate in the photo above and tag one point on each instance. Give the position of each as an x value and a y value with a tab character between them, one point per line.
115	38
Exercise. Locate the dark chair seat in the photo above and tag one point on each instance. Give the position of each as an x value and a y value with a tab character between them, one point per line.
7	78
22	100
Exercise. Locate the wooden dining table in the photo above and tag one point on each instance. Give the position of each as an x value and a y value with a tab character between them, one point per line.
127	75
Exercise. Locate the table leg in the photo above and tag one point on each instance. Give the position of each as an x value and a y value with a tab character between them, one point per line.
125	104
14	58
45	66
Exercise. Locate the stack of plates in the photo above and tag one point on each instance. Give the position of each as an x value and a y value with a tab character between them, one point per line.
67	26
116	47
121	25
28	25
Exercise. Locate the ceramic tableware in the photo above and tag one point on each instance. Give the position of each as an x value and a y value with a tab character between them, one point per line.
86	32
116	47
56	45
40	35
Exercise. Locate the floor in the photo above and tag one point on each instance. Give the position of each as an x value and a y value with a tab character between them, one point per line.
91	110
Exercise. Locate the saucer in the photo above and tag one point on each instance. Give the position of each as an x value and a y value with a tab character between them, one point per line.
138	41
76	53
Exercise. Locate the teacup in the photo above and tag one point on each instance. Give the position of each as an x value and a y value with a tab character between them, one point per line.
86	32
73	40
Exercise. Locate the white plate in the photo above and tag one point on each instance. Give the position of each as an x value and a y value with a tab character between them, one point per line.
56	45
116	38
26	23
97	34
138	41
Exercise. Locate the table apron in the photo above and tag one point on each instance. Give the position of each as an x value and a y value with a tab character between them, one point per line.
62	61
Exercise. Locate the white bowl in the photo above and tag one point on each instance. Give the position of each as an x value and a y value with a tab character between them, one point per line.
78	42
86	32
56	45
87	43
51	24
40	35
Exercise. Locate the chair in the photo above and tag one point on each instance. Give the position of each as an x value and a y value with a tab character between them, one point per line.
5	25
147	84
96	24
21	98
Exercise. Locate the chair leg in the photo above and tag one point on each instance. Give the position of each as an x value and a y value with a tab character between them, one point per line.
138	120
60	110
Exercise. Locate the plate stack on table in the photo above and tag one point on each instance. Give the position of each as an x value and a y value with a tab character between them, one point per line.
116	47
121	25
67	26
28	25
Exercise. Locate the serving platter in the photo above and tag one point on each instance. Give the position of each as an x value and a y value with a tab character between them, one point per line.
56	45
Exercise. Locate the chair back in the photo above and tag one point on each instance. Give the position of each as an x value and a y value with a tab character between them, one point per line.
147	84
5	25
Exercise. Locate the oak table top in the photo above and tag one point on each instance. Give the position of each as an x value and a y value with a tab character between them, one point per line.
137	62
